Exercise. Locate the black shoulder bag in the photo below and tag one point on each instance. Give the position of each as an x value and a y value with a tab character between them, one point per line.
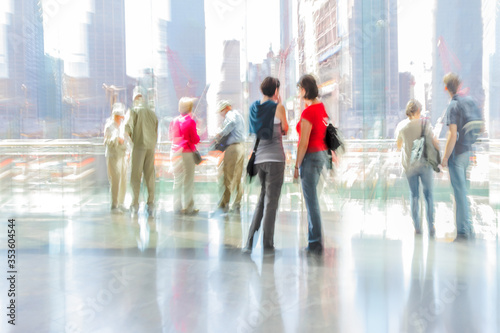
251	169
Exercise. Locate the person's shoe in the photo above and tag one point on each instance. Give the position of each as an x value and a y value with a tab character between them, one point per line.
269	250
115	210
223	209
123	208
134	210
465	237
246	250
191	213
236	210
314	248
432	232
151	212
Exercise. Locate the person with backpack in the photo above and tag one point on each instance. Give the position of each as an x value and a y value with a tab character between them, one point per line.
457	150
417	170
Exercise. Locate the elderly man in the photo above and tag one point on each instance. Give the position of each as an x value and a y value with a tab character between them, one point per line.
142	128
116	150
234	158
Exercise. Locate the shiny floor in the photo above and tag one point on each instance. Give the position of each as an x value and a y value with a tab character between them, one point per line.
87	270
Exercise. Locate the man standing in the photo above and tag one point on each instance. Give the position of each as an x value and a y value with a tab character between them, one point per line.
457	152
116	159
142	128
234	157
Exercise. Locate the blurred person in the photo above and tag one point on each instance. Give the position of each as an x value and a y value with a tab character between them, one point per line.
142	127
312	154
234	155
268	121
184	137
413	129
457	153
116	157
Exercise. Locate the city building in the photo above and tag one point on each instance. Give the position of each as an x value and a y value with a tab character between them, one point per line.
457	47
406	90
227	86
373	46
351	46
186	54
99	77
22	88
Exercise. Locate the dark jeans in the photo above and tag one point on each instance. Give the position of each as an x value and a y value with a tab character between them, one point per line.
310	171
271	175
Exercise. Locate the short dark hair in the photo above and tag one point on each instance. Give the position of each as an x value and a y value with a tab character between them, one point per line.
269	86
308	82
452	82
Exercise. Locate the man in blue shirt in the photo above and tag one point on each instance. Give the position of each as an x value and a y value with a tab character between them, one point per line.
457	154
234	156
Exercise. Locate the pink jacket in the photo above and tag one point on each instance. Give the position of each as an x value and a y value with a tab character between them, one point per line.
183	134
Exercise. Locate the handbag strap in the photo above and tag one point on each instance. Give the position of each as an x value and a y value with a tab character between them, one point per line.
256	145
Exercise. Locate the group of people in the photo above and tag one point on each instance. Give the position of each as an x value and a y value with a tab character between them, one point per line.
456	157
268	122
140	131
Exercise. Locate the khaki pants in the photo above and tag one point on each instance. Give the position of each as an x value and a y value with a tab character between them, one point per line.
143	161
117	176
183	167
234	160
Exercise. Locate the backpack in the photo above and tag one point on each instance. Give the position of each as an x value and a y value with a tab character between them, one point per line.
332	139
473	126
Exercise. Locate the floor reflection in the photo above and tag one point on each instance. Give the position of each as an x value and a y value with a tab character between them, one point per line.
97	272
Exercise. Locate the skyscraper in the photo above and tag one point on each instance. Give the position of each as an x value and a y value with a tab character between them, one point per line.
287	53
494	84
186	52
375	78
457	47
22	94
102	64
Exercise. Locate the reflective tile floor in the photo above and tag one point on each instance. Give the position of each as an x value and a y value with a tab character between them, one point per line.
90	271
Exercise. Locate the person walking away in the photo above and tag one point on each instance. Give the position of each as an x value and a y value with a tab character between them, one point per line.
142	127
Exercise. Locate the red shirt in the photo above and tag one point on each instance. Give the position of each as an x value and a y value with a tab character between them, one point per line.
183	134
317	116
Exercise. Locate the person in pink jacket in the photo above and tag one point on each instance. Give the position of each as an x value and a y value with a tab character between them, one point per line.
184	137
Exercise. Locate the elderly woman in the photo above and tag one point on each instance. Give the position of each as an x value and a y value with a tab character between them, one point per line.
416	127
184	138
311	156
268	121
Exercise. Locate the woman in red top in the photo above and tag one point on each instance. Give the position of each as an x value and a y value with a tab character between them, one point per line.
311	156
184	138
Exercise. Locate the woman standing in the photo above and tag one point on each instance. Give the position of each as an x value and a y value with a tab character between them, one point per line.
268	122
184	138
311	156
413	130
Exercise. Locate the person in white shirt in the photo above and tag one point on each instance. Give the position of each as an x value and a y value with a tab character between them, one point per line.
116	157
